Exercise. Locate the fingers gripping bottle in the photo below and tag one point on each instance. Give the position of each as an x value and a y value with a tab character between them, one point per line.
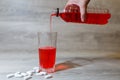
93	16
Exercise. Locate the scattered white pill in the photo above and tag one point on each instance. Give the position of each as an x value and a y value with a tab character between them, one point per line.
18	75
41	73
38	74
37	70
29	73
24	74
48	76
27	77
10	75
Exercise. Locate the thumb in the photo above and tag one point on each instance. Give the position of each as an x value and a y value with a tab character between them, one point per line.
83	9
83	13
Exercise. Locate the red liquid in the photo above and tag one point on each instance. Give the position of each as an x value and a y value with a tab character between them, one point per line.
47	57
92	18
50	23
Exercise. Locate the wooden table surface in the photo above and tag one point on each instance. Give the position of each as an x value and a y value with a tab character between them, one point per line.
67	68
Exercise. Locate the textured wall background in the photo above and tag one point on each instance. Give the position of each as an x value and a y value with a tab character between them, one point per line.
20	20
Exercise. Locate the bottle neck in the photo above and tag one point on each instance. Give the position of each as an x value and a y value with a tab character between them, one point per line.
56	13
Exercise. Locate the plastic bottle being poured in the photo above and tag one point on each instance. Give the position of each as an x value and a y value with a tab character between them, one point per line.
93	16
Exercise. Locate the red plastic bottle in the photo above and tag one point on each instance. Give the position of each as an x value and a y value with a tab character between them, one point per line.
93	17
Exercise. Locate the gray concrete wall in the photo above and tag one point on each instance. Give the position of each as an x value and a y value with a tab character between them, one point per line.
20	20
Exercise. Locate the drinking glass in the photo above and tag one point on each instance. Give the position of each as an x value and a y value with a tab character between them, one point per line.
47	50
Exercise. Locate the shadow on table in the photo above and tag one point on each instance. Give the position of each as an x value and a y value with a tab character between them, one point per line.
72	63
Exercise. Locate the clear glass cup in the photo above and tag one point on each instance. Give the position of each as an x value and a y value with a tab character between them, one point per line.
47	50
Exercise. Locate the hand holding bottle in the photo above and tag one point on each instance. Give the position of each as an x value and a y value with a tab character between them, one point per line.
75	11
77	6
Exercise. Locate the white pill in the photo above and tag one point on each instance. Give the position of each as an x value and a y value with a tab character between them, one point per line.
27	77
37	70
24	74
38	74
10	75
18	75
29	73
48	76
42	73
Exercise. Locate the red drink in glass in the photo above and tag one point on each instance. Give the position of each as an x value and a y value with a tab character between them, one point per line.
47	57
